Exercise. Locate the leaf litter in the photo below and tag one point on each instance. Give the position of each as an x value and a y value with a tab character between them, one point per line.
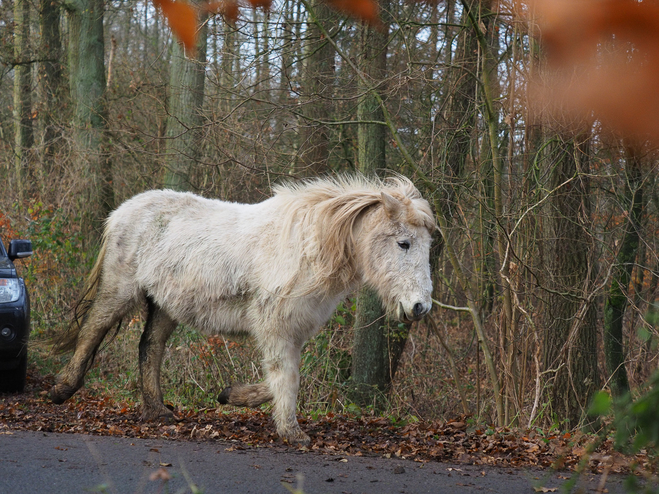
90	412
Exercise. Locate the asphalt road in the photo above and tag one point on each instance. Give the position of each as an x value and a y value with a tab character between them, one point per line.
42	463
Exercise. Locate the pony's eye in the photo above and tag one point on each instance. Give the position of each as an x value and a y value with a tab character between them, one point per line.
404	244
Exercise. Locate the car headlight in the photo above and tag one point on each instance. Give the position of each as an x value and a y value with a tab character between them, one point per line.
10	290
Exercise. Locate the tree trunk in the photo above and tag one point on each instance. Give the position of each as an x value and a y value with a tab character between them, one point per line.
570	349
286	63
23	133
228	76
50	83
318	91
455	123
616	302
372	346
186	98
87	80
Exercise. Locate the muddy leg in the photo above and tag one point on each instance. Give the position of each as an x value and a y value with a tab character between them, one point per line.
157	330
103	316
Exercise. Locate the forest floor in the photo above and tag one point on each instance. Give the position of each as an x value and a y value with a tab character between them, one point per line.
454	441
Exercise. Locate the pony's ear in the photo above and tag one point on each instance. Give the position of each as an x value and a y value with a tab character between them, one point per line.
392	206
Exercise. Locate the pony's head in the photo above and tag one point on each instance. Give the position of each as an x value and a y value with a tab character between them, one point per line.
393	249
369	230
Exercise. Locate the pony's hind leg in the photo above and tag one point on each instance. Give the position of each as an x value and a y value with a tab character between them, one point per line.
105	313
157	330
246	395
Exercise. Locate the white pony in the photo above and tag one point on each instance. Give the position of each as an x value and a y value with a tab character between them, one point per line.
275	270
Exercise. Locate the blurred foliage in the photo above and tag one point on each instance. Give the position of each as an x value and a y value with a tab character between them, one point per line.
634	421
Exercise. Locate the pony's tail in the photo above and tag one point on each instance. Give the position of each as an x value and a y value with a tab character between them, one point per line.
68	340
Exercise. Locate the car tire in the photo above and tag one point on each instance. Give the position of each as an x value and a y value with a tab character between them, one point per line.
13	381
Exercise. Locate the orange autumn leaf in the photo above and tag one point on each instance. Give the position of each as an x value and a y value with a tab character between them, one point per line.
603	63
227	8
264	4
182	19
230	9
365	10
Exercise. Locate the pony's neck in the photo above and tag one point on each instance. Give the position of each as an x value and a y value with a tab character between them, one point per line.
362	236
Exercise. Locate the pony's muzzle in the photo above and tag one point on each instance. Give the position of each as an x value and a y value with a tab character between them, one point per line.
419	309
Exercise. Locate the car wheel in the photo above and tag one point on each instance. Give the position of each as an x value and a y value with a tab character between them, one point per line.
13	381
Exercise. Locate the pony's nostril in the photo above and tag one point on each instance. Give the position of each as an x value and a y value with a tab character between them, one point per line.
417	309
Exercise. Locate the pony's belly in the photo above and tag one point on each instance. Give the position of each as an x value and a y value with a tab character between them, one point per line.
228	321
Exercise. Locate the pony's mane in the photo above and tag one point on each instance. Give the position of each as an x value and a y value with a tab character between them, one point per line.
326	209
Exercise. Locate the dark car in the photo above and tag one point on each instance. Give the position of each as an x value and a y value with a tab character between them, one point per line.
14	318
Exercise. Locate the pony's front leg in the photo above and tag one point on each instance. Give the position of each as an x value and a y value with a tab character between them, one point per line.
283	378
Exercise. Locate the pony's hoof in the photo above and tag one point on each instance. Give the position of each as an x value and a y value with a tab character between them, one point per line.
163	416
224	396
298	439
59	393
